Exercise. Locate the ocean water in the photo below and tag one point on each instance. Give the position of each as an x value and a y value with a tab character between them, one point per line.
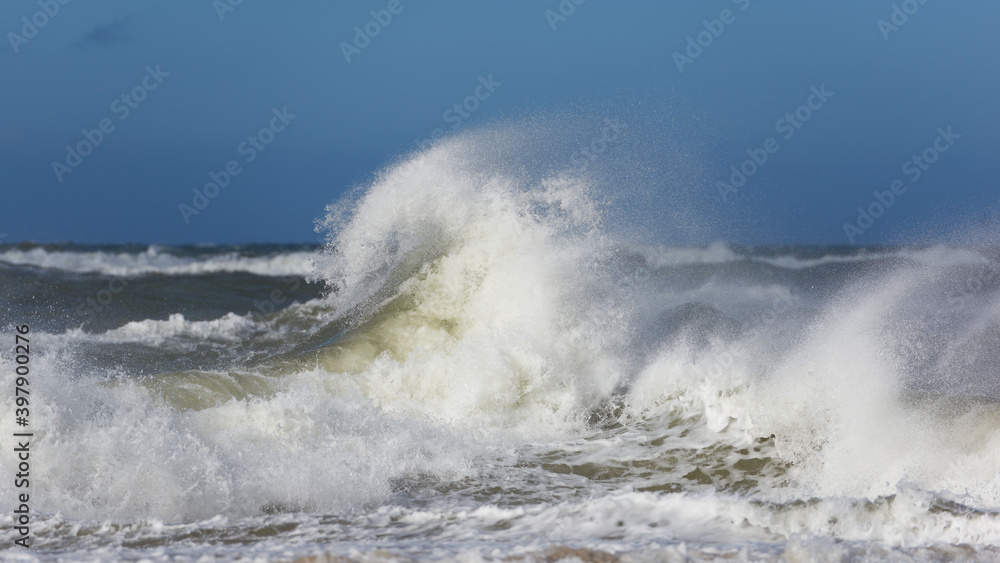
475	366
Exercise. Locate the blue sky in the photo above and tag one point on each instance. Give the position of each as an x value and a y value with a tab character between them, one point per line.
210	75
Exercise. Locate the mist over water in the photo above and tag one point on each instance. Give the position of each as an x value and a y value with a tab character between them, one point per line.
484	360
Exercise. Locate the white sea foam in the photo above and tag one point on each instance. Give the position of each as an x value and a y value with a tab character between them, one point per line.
155	262
721	253
230	328
796	263
932	256
665	256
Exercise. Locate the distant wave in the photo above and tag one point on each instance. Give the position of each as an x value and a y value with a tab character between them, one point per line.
934	256
721	253
154	261
668	256
230	328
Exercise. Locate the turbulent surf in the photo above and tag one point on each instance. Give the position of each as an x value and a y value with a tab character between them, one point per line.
480	364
